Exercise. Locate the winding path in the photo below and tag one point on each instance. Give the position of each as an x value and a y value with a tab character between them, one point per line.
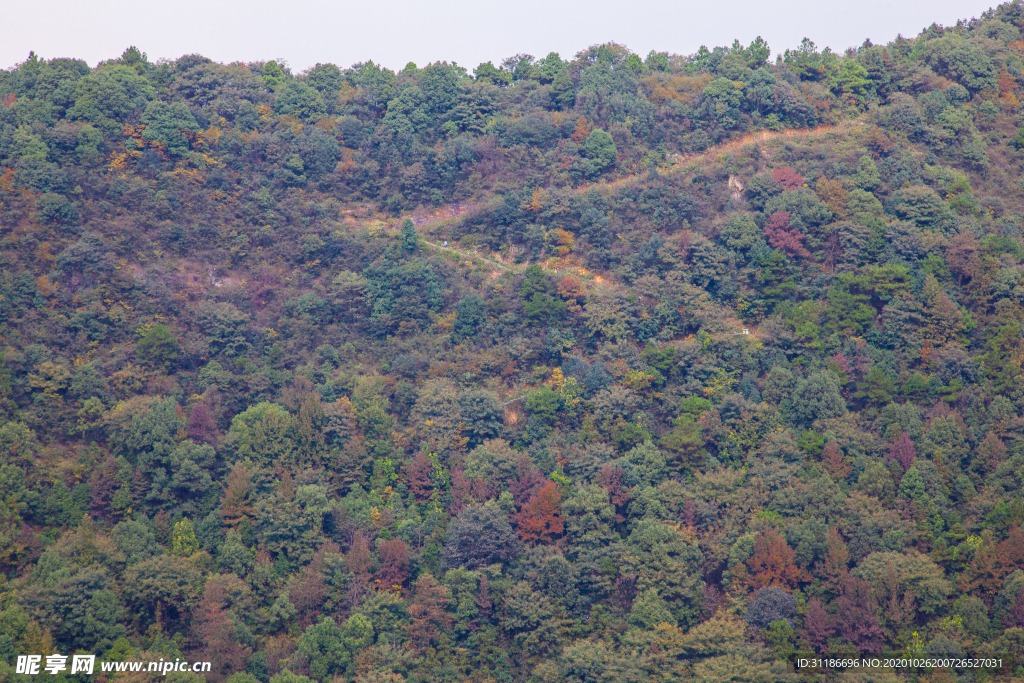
680	163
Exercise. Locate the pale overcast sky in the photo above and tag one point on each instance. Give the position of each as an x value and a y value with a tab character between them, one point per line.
464	31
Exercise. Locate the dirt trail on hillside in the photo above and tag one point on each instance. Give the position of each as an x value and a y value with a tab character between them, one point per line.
682	162
426	219
752	138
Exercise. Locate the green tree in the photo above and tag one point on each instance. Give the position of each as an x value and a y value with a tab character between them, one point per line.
877	388
921	205
600	151
818	398
867	177
166	584
56	209
158	347
183	539
757	53
170	125
299	99
646	463
775	280
223	325
963	61
649	611
290	524
377	84
532	621
807	212
136	540
589	519
273	75
439	82
906	578
470	316
1001	362
371	408
83	611
327	79
25	144
539	303
330	649
543	403
410	241
480	536
285	676
847	311
108	95
563	93
262	433
685	443
487	73
662	559
740	231
482	415
721	103
851	78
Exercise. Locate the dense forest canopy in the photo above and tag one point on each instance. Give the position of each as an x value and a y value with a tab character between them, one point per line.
439	375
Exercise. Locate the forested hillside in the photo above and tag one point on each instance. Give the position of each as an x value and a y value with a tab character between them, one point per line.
439	375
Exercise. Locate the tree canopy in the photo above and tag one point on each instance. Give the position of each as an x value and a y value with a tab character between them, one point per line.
592	367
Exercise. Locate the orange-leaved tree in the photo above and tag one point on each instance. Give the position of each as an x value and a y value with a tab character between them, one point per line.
539	520
428	611
772	563
993	562
234	505
582	130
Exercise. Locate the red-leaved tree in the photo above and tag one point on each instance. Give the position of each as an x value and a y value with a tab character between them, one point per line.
781	236
842	366
419	477
689	512
610	479
818	625
902	452
483	599
461	492
526	485
307	591
787	178
1015	617
202	425
857	618
215	628
234	504
834	462
964	257
102	488
393	561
